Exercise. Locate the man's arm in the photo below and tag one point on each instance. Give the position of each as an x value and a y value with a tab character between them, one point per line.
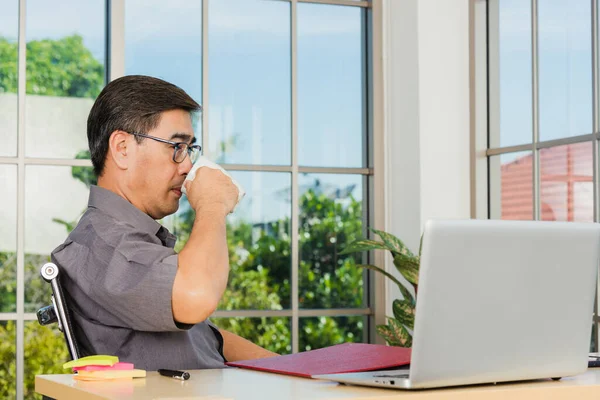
236	348
203	269
203	263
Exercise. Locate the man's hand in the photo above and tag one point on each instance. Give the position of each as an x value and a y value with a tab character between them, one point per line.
203	266
211	191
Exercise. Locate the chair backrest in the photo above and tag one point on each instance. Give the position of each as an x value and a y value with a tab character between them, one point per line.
58	311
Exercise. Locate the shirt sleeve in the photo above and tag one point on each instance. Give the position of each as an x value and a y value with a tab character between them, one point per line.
131	276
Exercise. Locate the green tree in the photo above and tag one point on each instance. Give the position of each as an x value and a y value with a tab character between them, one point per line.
45	353
63	67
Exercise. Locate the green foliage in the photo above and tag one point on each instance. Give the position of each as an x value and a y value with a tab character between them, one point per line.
45	352
8	66
84	174
37	292
398	330
62	67
8	282
327	279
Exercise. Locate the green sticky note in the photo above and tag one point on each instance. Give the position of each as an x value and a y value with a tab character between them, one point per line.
92	360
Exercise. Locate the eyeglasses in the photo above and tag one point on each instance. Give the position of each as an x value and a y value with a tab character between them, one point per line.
181	149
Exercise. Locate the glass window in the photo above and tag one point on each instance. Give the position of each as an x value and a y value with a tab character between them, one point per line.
258	236
45	353
9	41
319	332
8	239
271	333
566	191
565	68
164	40
331	216
8	355
47	223
250	82
65	73
513	199
511	105
331	82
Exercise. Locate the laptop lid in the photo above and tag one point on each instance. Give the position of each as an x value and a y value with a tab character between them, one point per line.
503	300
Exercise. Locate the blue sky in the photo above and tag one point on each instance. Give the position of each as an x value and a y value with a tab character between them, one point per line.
565	74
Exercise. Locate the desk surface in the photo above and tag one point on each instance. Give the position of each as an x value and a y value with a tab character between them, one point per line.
244	384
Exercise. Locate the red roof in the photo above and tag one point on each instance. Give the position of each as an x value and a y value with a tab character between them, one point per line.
566	188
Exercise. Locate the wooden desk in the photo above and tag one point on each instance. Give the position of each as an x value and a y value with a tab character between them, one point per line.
244	384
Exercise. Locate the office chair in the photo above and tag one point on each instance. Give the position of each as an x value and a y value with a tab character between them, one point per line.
58	310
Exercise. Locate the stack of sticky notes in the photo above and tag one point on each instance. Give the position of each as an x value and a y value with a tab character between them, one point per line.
101	367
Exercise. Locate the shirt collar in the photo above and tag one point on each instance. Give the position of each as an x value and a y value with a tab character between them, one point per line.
122	210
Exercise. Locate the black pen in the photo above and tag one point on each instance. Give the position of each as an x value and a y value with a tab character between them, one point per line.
171	373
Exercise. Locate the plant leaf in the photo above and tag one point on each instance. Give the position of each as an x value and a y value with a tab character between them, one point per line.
421	245
400	332
408	267
388	334
404	312
380	270
393	244
363	245
405	292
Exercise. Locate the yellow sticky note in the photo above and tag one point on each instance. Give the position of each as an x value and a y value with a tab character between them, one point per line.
92	360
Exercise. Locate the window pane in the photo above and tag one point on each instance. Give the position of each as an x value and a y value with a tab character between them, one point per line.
566	189
250	81
45	353
271	333
164	40
258	236
47	223
8	239
565	68
512	92
9	40
8	350
511	186
330	218
65	73
319	332
331	81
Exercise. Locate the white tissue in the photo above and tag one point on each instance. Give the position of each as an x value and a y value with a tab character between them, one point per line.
204	162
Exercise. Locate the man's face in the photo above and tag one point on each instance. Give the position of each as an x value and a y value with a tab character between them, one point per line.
155	180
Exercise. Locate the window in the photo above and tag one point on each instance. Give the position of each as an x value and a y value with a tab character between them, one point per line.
543	116
284	86
44	152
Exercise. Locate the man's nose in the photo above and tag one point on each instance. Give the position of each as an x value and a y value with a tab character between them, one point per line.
186	165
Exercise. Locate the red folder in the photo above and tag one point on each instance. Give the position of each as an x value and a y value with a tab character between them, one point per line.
348	357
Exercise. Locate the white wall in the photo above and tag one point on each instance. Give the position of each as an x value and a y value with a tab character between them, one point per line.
426	84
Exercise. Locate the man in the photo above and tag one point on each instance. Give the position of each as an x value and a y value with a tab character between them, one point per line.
130	294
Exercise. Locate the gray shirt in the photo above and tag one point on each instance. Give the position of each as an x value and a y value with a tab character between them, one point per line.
118	266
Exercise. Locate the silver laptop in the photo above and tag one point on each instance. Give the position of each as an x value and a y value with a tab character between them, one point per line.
498	301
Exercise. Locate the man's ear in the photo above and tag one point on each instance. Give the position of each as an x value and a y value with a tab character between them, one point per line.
117	149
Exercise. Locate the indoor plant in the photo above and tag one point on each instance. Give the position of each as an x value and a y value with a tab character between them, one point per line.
399	328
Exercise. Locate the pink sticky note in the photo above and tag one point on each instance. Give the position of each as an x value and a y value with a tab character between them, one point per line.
120	366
